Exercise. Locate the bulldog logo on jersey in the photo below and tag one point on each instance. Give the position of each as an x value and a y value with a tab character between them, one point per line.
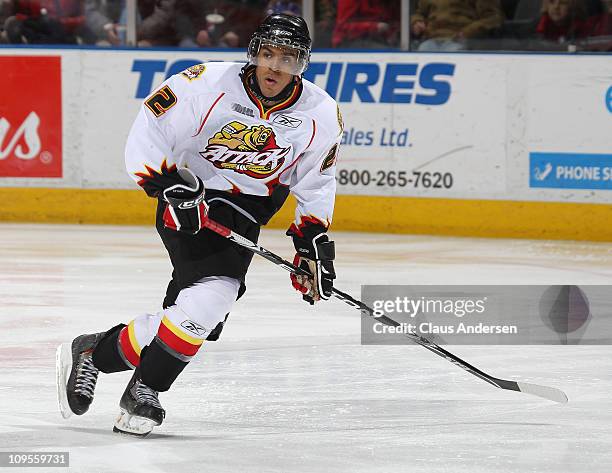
250	150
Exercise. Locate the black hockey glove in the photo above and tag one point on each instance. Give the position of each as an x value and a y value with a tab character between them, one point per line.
186	208
315	255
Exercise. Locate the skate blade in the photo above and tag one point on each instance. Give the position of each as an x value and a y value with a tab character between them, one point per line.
133	425
63	365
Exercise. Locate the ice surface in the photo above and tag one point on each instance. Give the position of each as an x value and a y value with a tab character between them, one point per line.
289	388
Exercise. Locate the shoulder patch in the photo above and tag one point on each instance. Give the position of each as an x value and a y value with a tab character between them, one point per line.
161	101
330	159
193	72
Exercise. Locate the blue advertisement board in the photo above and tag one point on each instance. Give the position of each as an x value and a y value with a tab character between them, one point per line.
570	170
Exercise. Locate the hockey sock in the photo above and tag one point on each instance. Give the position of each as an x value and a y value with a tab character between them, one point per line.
107	356
128	345
159	366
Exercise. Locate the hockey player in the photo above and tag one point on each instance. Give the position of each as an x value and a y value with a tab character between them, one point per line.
227	141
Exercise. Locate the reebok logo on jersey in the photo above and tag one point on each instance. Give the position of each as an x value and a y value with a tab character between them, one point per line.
250	150
286	120
194	328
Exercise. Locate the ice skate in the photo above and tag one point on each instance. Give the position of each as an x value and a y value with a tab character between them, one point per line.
140	409
76	374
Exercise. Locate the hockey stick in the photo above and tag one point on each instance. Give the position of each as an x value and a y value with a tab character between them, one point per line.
546	392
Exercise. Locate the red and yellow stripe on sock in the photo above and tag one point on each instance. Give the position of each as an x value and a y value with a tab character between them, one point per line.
177	339
129	344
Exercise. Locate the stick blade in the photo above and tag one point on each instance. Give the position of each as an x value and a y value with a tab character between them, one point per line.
546	392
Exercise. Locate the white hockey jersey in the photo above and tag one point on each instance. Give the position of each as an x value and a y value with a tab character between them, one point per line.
206	119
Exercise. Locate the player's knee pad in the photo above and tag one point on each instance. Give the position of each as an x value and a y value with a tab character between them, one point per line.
198	315
205	306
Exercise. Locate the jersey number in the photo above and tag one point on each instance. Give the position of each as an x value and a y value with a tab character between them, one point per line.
161	101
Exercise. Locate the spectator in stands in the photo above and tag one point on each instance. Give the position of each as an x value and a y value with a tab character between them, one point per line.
562	20
107	20
366	23
605	21
242	17
325	18
325	14
6	11
48	22
598	30
445	25
159	28
508	8
601	25
200	24
288	7
195	23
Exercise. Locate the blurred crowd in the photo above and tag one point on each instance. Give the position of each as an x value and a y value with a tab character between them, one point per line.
434	25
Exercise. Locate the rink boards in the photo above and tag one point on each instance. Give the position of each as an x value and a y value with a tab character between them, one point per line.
463	144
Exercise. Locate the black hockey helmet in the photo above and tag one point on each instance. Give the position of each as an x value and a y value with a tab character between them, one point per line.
285	32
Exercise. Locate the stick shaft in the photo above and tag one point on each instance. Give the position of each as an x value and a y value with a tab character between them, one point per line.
548	393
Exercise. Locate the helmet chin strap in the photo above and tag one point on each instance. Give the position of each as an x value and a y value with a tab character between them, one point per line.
282	95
